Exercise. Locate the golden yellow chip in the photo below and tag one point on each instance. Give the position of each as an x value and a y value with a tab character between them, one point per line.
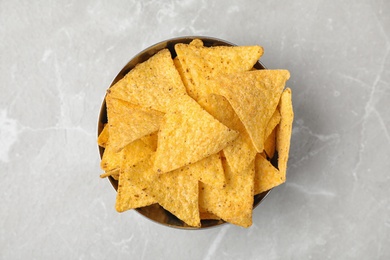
208	215
176	191
202	64
241	152
209	170
151	140
254	96
273	122
103	136
131	196
188	135
153	84
270	144
128	122
283	133
234	201
266	175
132	152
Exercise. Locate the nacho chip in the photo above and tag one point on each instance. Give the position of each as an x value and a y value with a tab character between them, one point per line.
270	144
128	122
153	84
200	65
241	152
234	201
254	96
197	43
209	170
283	133
273	122
188	135
176	191
130	196
266	175
103	136
208	215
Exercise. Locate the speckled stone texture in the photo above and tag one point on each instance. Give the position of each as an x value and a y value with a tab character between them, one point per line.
58	57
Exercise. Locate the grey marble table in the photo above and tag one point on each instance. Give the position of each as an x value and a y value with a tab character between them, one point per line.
58	57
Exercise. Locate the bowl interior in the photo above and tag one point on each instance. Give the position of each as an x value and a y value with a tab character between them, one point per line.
155	212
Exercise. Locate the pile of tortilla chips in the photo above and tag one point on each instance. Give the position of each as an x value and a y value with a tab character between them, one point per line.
196	133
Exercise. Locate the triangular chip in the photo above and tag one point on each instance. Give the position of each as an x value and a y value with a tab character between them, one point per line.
209	170
151	140
283	134
234	201
266	175
132	152
254	96
241	152
128	122
176	191
202	64
103	136
130	196
188	135
153	84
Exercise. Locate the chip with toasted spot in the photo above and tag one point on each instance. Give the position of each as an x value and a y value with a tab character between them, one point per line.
131	196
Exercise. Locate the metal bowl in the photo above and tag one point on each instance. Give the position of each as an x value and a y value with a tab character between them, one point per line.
155	212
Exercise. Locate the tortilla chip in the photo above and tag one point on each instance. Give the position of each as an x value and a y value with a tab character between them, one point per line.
197	43
103	136
209	170
201	64
151	140
130	196
270	144
207	215
153	84
241	152
233	202
283	133
273	122
254	96
128	122
176	191
188	135
133	153
266	175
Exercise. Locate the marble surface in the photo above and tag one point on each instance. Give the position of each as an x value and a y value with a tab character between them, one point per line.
58	57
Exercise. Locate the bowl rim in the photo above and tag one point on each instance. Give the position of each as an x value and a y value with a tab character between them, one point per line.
102	119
